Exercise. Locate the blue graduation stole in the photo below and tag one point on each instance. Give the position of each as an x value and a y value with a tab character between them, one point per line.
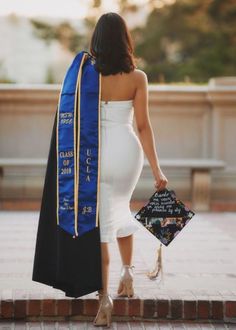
78	147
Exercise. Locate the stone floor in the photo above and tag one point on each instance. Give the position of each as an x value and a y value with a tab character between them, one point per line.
200	261
199	264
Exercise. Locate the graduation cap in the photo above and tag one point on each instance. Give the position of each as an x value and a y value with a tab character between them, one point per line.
164	216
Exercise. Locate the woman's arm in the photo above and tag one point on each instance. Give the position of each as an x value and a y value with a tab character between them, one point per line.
144	128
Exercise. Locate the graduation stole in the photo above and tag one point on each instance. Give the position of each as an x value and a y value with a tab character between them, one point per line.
78	147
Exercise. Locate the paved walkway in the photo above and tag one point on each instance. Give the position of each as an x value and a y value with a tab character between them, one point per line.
199	264
115	326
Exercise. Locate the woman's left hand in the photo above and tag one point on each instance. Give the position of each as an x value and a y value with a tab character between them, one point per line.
160	181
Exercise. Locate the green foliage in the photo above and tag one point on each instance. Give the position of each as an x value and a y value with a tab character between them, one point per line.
3	75
49	76
4	80
63	32
43	30
189	40
97	3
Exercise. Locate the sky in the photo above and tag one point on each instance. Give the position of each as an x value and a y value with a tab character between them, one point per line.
55	8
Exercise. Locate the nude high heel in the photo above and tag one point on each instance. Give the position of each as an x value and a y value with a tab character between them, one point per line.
103	316
125	288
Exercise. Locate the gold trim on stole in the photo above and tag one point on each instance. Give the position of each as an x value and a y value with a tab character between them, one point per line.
57	125
99	149
77	105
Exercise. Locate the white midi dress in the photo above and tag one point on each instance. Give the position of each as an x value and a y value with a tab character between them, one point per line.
121	163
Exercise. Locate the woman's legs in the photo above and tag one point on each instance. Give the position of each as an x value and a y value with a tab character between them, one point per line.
125	287
126	248
105	267
103	316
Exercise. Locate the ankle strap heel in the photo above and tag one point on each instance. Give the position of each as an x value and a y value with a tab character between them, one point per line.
103	316
126	281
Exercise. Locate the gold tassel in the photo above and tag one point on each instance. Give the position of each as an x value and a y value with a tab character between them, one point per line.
158	267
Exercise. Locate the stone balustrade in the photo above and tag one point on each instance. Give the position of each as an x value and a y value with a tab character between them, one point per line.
189	122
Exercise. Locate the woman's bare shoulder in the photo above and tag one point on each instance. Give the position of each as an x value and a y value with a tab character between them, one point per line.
140	76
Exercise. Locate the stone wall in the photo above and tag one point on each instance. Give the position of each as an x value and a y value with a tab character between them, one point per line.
188	122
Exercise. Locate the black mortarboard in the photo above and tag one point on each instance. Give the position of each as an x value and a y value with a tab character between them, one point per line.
164	216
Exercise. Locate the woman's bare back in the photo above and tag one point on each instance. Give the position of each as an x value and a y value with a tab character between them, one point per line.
119	87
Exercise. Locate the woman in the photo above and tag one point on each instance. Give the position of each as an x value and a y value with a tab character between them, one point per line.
80	266
124	92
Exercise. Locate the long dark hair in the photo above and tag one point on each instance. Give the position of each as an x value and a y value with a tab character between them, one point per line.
112	46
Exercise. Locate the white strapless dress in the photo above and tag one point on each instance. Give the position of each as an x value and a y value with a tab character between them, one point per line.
121	163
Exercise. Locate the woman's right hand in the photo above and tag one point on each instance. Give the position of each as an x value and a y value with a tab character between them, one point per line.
160	181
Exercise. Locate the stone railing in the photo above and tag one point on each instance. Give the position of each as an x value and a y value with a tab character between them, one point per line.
189	123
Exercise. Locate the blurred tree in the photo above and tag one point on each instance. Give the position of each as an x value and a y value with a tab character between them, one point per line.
3	75
64	32
49	79
97	3
125	7
189	40
94	11
182	41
